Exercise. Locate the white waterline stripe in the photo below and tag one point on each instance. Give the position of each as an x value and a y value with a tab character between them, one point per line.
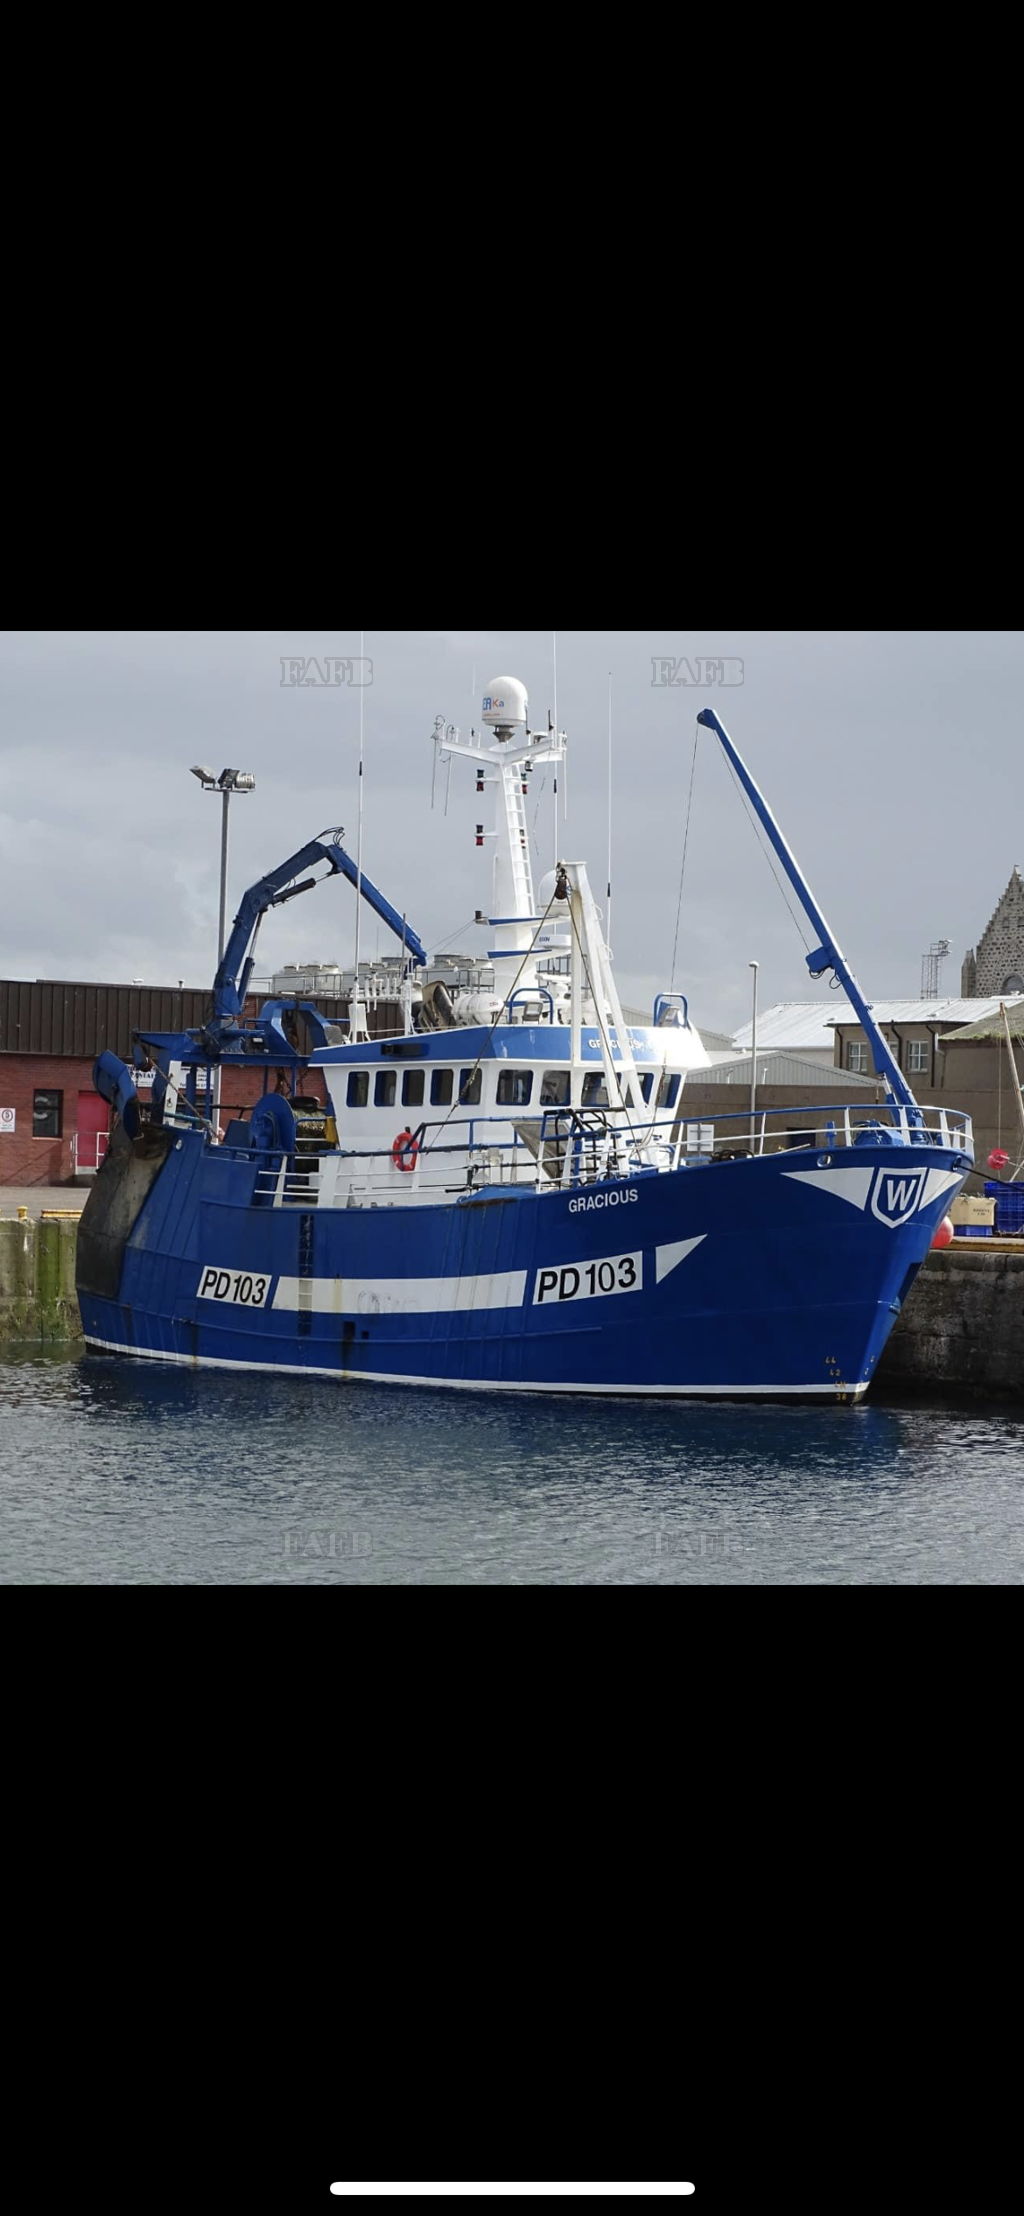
481	1384
397	1296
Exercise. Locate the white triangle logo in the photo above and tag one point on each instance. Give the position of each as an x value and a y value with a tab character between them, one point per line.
669	1257
851	1185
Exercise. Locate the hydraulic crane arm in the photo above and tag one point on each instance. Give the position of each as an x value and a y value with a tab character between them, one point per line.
827	956
380	906
235	969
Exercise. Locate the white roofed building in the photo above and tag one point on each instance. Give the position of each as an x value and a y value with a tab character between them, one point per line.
800	1027
828	1033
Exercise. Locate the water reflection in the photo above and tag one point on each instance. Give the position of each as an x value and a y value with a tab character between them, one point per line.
123	1471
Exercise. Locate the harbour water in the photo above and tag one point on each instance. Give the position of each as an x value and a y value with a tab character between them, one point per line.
115	1472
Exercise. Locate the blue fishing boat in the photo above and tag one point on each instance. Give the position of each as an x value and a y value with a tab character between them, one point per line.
506	1193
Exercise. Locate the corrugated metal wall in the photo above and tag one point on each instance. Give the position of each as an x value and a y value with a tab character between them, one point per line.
54	1018
80	1020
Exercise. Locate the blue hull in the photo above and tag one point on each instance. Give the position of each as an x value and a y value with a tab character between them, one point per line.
770	1277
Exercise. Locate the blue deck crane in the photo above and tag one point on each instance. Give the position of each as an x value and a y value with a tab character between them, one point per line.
225	1034
236	965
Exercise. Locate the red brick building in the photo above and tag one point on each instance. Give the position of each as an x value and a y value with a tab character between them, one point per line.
53	1125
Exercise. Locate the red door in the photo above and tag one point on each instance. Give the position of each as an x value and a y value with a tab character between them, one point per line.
93	1119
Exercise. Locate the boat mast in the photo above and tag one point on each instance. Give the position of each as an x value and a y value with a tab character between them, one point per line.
608	889
554	666
508	764
356	1011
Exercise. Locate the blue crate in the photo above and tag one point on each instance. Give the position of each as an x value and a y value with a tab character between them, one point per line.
972	1230
1009	1200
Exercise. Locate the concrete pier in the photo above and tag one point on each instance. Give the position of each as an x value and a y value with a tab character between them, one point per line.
37	1279
963	1325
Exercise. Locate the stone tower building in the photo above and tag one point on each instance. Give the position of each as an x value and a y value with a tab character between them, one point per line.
998	964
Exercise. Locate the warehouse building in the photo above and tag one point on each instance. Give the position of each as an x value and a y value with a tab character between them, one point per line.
53	1124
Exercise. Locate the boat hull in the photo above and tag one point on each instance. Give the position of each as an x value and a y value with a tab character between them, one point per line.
778	1277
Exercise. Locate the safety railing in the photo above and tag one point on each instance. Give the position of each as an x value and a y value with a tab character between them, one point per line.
566	1148
768	1131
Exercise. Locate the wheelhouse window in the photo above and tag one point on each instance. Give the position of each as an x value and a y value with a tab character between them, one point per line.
412	1089
668	1091
385	1085
554	1089
470	1087
646	1082
856	1055
595	1091
440	1088
917	1057
358	1088
515	1088
47	1115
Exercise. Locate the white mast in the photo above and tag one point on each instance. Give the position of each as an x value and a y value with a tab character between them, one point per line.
608	897
554	664
356	1010
508	764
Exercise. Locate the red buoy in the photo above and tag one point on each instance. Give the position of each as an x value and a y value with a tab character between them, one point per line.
945	1234
998	1160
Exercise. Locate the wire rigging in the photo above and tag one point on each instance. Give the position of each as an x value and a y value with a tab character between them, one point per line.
764	849
682	872
441	944
464	1084
628	1106
756	829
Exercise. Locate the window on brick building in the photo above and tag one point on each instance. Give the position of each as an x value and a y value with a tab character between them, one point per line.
856	1055
47	1115
917	1057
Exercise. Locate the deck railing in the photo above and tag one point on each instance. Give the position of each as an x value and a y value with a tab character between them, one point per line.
565	1148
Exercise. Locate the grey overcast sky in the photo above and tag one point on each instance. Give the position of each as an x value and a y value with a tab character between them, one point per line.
891	759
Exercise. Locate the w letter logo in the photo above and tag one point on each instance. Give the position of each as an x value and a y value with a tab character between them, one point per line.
896	1194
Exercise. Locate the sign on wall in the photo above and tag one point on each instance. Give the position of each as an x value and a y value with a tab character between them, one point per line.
8	1120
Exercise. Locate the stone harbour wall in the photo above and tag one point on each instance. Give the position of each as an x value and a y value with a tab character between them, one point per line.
37	1280
963	1324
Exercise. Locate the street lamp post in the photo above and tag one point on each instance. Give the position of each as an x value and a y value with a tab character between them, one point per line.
230	781
753	1059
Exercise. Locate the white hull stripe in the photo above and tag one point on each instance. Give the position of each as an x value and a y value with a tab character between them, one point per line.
488	1384
400	1296
428	1296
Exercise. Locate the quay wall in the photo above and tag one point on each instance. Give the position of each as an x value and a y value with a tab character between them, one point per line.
37	1280
963	1325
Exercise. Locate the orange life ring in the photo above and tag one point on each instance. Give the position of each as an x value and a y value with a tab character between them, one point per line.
405	1150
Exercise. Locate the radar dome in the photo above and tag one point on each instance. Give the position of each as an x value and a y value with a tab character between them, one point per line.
505	702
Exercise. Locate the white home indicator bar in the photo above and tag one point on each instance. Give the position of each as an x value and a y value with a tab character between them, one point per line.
624	2191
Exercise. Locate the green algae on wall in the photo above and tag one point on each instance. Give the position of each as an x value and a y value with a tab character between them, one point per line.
37	1280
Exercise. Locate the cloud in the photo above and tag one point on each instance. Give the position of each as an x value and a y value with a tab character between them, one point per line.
865	744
